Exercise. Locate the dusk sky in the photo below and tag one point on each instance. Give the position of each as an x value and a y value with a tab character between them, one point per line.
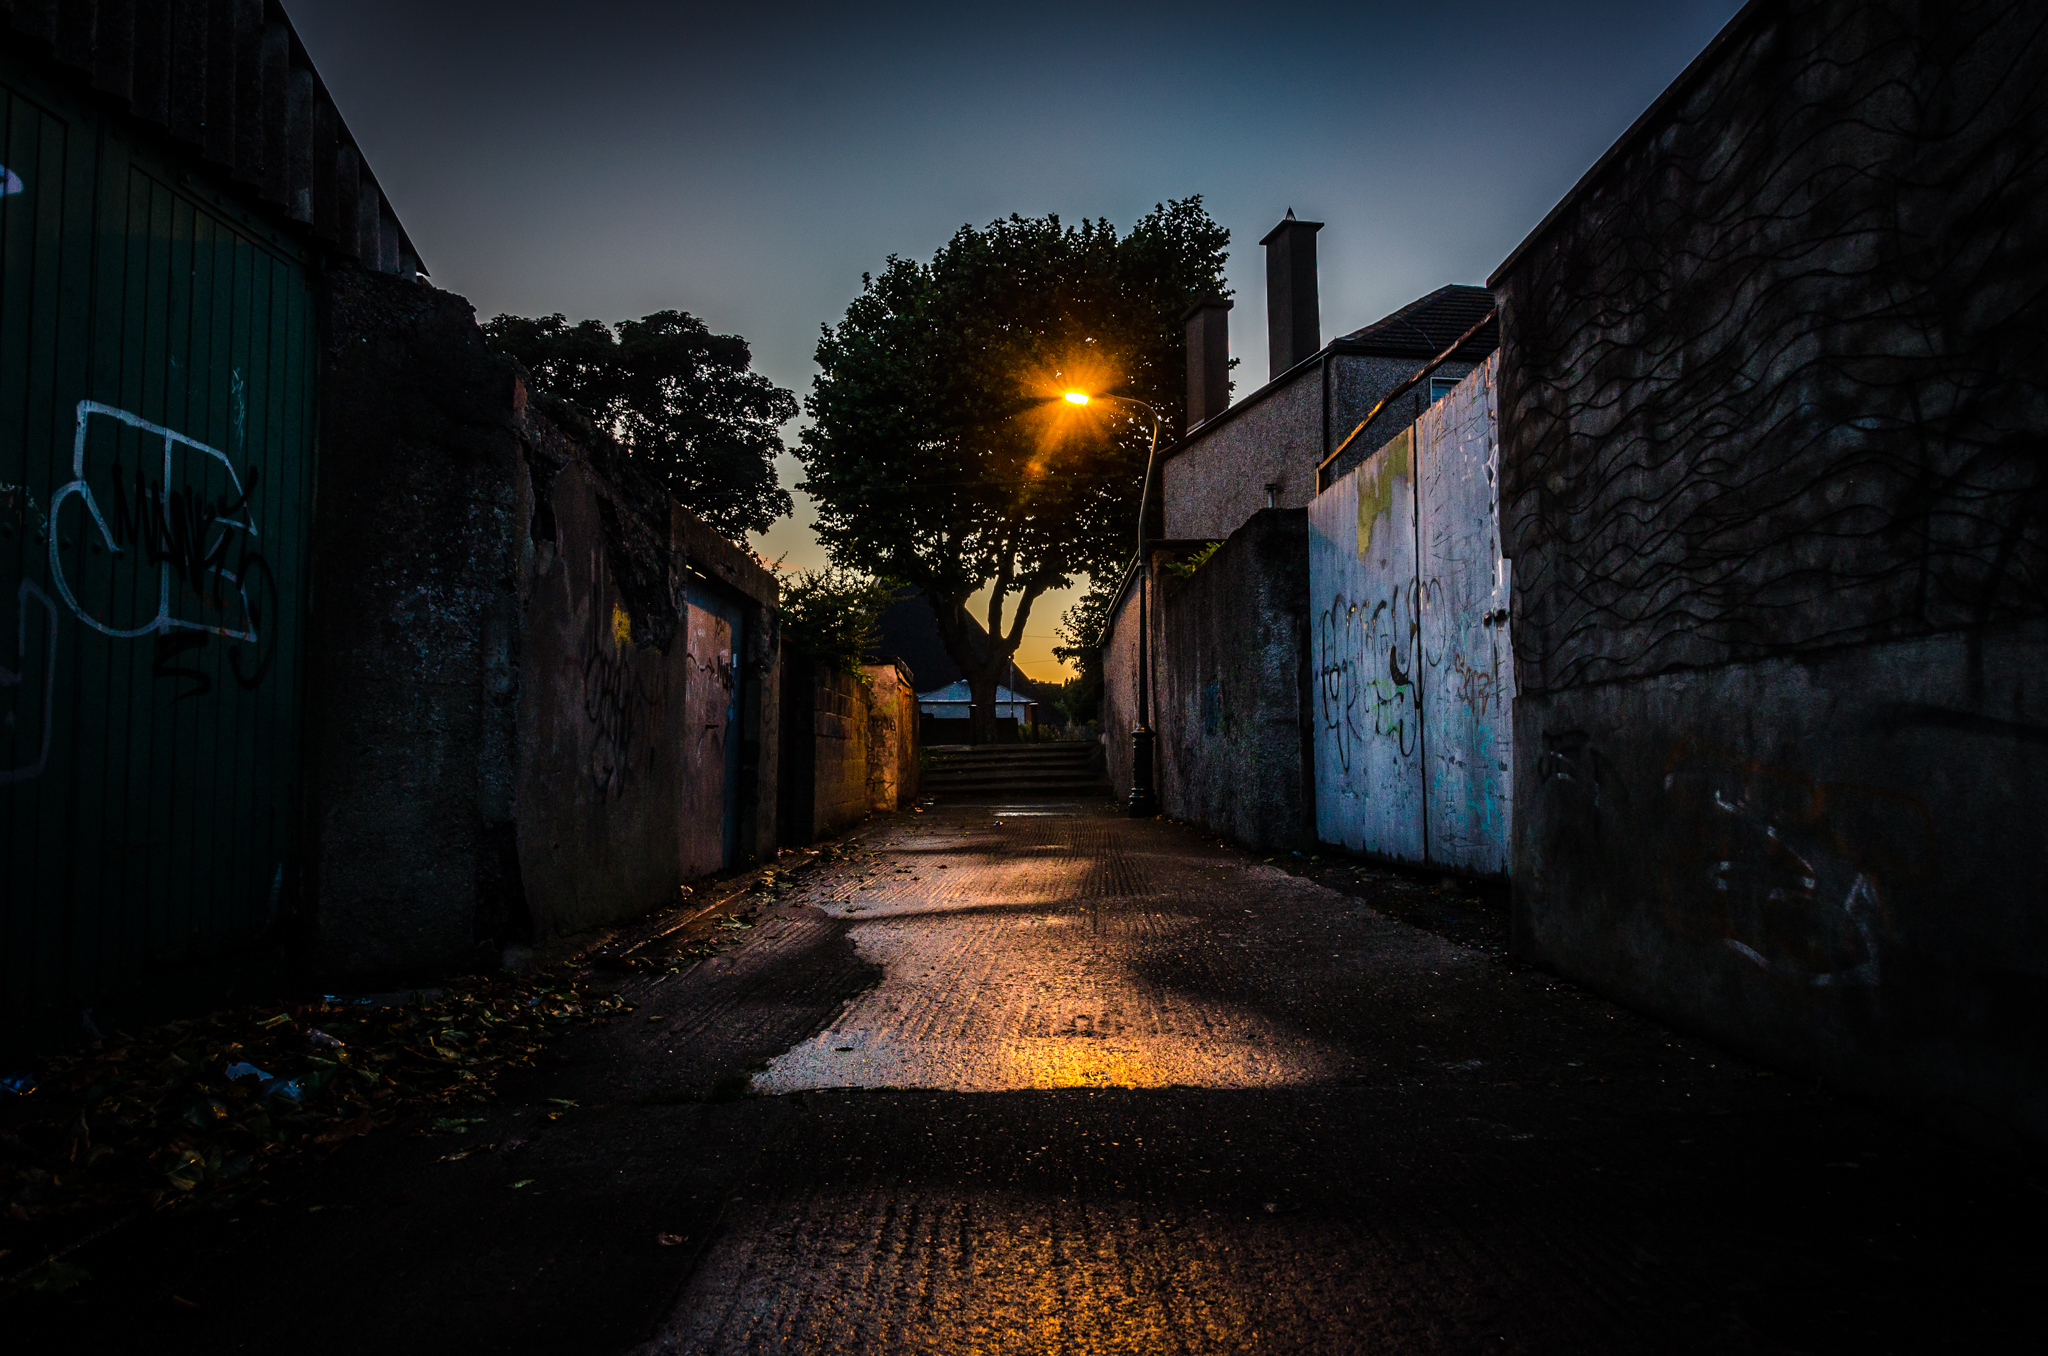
748	162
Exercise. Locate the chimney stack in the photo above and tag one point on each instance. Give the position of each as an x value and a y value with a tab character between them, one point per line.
1294	325
1208	322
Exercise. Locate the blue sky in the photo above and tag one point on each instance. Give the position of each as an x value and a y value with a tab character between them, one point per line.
748	162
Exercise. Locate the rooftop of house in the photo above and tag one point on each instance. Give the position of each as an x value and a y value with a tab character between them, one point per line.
1420	330
1428	325
957	694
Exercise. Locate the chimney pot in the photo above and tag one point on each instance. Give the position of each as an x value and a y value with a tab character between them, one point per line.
1294	325
1208	322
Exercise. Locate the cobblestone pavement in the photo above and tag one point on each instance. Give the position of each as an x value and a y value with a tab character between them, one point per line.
1039	1079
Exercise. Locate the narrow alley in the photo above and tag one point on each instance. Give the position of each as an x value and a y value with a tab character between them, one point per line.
1038	1078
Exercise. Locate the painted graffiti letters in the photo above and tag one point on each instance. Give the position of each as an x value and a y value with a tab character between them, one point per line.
619	702
175	558
1414	665
1790	866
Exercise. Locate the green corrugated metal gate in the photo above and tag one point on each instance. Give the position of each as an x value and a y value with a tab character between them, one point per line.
156	445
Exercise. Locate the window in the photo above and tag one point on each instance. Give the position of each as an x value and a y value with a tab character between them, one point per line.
1439	387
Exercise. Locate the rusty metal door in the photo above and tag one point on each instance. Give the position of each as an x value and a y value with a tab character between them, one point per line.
156	445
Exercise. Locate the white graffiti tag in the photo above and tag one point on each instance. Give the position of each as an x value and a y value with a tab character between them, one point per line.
184	535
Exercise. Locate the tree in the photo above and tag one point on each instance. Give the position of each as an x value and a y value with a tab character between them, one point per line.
680	398
833	616
941	454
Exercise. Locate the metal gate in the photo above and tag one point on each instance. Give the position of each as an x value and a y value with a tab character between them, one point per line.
156	443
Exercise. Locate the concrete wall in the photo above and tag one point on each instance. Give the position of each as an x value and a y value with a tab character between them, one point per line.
1413	677
639	687
1775	399
1233	686
1360	381
412	655
505	674
861	755
1118	716
893	741
1468	666
1219	479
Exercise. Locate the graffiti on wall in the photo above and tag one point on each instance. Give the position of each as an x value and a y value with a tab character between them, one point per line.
1414	672
1367	657
164	548
621	704
1368	653
1792	871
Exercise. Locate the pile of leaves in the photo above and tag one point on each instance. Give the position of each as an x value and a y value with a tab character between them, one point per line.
194	1110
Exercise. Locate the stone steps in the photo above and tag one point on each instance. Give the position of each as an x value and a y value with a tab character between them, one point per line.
1006	769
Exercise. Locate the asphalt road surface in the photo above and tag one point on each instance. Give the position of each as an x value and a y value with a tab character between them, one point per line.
1035	1078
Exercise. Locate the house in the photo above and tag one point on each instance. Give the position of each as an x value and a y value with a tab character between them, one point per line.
952	701
1225	596
1264	451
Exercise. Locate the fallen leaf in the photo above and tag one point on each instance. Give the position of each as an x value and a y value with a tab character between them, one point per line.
522	1182
670	1240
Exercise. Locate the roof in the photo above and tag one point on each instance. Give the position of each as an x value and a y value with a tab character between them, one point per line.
958	693
909	634
233	84
1428	325
1709	57
1420	330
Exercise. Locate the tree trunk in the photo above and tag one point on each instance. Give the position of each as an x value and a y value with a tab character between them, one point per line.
983	672
981	689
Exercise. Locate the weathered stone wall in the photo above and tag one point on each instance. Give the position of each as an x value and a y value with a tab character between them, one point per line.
892	736
412	646
520	708
1233	686
1775	404
861	754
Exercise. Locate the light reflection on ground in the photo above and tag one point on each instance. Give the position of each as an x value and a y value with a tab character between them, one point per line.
998	978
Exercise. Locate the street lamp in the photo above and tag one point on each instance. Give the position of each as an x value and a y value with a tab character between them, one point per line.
1144	800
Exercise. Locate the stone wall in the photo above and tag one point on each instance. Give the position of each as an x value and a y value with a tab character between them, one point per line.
516	660
1233	687
861	756
1775	409
893	736
412	644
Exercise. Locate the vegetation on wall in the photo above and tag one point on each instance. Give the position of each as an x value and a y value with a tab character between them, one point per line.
833	616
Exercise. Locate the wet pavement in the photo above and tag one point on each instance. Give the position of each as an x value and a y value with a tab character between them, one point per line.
1035	1078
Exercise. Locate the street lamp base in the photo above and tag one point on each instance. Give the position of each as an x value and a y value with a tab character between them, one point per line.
1143	802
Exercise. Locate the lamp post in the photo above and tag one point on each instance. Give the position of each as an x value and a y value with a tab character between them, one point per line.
1144	800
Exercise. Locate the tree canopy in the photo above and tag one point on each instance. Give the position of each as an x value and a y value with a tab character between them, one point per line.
682	399
941	453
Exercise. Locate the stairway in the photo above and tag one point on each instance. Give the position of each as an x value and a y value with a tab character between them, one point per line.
1062	769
